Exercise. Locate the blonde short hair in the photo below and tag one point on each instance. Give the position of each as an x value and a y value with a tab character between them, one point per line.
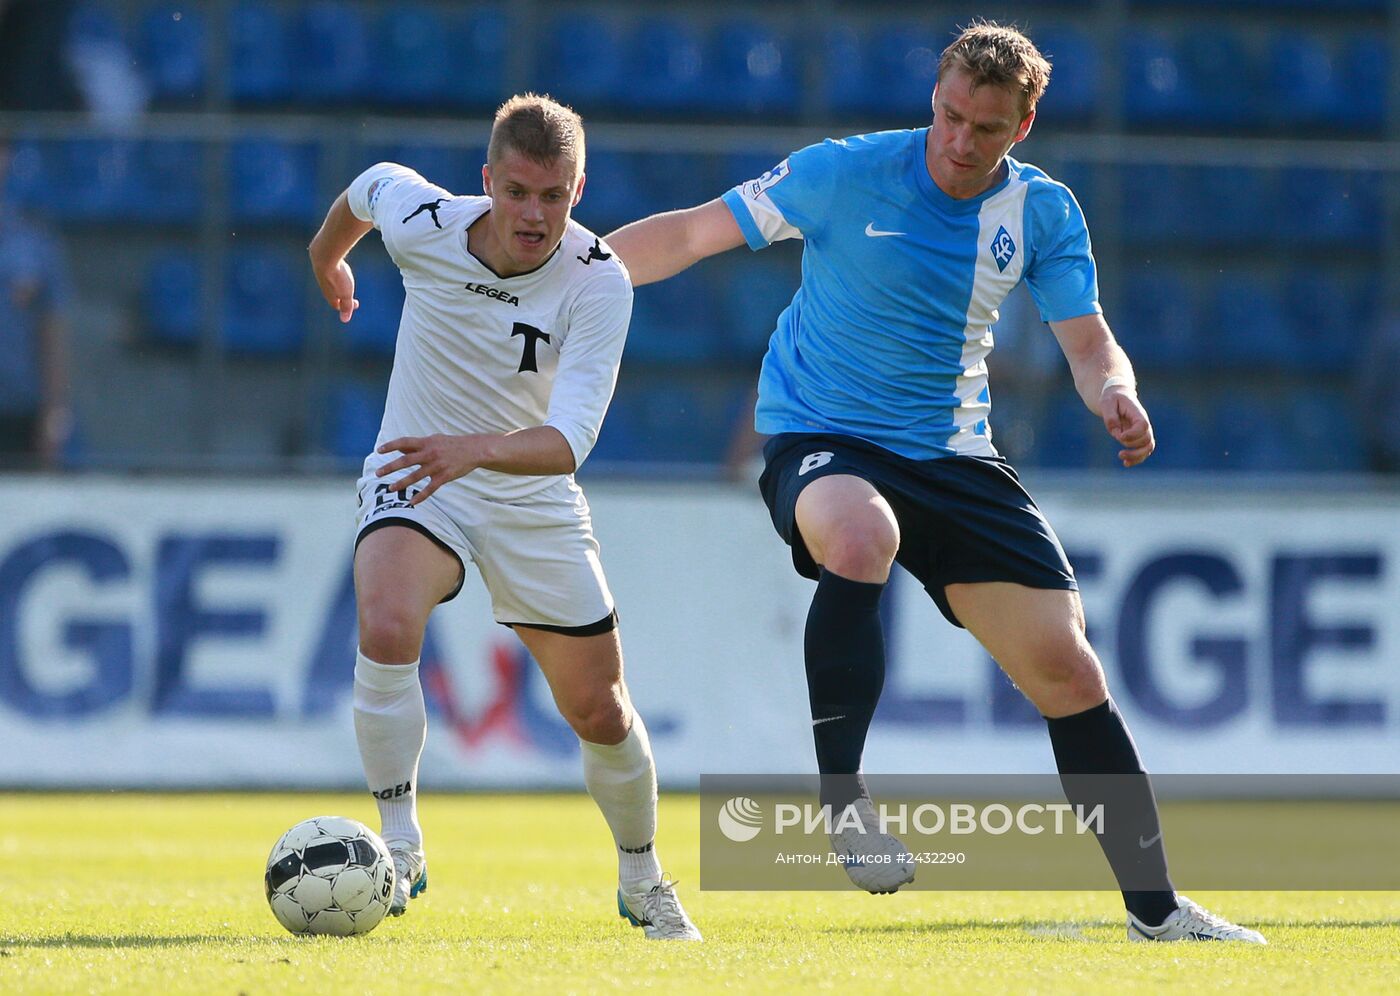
1002	56
539	128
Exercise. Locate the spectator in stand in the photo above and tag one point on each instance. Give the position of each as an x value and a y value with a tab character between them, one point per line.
35	419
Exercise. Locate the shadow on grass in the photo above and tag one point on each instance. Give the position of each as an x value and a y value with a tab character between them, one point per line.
1070	928
137	941
953	926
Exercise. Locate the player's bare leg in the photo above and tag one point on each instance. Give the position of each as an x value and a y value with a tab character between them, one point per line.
585	676
852	534
1038	638
400	575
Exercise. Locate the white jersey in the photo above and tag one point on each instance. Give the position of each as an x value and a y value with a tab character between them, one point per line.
481	353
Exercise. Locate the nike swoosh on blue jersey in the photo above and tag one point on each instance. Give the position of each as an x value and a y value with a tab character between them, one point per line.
875	233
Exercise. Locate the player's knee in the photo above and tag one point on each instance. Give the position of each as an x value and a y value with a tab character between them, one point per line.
1070	682
598	720
390	632
862	549
1086	687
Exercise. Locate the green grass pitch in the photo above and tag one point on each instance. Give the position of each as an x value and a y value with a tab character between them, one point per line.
163	893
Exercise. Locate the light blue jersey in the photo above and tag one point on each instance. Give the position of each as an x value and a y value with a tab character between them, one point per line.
888	335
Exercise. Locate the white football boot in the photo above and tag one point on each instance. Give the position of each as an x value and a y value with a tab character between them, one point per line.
1192	922
658	912
410	876
876	861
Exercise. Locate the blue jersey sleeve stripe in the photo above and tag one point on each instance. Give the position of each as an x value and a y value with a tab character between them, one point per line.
1063	279
747	225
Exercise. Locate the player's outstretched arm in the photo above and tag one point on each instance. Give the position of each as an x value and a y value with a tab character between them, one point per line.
1104	378
328	249
665	244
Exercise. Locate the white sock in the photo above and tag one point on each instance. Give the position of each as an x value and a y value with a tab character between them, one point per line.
391	724
621	778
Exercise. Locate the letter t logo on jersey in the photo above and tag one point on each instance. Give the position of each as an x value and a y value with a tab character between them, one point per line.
1002	248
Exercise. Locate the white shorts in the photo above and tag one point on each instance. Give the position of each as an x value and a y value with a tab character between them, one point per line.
538	558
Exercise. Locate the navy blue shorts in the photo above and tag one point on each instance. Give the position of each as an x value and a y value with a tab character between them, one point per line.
961	519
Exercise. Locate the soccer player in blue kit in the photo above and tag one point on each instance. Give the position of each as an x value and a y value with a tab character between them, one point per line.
874	389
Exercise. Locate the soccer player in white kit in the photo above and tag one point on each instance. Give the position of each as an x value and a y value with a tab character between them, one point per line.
507	354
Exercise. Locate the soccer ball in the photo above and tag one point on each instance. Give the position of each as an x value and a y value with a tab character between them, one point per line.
329	875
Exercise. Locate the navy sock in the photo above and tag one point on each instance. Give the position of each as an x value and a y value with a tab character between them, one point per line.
1088	746
845	657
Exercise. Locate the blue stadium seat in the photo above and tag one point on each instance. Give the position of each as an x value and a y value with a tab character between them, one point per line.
1325	313
1331	207
1156	204
356	412
30	180
1063	438
668	418
170	187
1363	192
478	54
264	307
332	45
751	292
273	182
172	40
1225	207
755	70
450	167
95	23
666	67
1304	83
847	86
374	329
1223	75
674	321
623	436
414	61
260	54
670	180
1365	61
1156	86
1251	435
1181	443
627	433
903	61
610	195
1246	325
96	179
172	295
1157	324
113	180
581	54
1074	94
1367	296
1323	425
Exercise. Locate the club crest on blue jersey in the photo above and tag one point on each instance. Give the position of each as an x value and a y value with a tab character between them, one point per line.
1003	248
768	179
